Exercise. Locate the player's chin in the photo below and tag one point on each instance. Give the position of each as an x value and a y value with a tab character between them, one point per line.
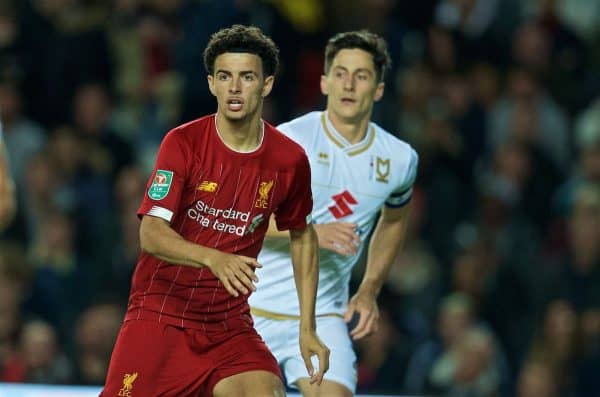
235	116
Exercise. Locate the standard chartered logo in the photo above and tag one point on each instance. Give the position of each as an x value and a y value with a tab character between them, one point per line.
221	219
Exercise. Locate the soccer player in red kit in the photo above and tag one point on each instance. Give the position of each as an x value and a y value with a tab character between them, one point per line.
216	181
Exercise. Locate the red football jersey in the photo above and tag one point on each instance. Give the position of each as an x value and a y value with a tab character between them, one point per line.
220	198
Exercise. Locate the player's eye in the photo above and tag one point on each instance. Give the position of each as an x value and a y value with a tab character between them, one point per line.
363	76
222	76
248	77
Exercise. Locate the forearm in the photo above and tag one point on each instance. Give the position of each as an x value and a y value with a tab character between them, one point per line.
157	238
386	242
273	232
305	260
7	191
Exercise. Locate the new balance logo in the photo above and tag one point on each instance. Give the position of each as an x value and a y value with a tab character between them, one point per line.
208	186
343	201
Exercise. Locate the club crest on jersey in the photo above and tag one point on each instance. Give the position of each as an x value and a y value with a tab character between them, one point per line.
160	185
263	192
208	186
382	170
128	380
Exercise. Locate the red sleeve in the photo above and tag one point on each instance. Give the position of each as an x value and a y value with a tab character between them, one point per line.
295	211
163	190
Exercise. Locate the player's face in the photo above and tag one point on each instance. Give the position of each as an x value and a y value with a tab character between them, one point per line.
239	85
351	85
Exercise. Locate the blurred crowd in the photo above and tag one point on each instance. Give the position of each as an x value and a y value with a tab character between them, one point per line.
497	292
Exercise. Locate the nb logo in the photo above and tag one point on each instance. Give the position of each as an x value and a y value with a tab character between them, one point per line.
208	186
343	201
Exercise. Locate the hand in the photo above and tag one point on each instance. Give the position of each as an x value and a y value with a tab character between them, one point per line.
236	272
365	305
311	345
339	237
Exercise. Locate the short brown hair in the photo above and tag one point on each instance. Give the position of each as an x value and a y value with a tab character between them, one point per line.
364	40
240	38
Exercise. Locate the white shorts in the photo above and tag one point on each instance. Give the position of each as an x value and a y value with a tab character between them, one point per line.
282	337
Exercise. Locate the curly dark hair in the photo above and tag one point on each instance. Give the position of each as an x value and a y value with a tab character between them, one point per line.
240	38
364	40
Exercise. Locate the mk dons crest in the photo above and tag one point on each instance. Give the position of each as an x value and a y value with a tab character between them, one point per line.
382	170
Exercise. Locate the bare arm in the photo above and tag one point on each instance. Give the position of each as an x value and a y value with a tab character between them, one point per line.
305	259
236	272
8	202
387	240
303	246
273	232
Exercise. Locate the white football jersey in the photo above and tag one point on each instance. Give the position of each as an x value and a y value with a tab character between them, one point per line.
350	183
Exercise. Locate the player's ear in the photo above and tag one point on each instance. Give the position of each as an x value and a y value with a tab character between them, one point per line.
211	84
324	89
268	86
379	92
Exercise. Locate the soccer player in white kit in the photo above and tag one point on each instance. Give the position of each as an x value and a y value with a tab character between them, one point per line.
358	169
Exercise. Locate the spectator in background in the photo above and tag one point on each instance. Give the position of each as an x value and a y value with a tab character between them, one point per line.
94	335
586	170
537	379
549	131
64	281
66	46
106	152
556	344
578	274
41	355
476	372
23	137
456	316
381	357
588	382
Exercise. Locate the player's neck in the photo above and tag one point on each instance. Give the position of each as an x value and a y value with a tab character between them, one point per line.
353	131
240	135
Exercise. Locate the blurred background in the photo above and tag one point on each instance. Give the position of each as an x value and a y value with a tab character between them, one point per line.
497	291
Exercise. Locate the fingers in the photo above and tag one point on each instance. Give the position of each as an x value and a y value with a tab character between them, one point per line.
308	364
347	233
339	237
232	291
367	324
250	261
323	355
237	275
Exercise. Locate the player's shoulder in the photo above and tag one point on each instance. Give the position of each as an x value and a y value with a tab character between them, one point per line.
302	122
191	128
302	128
281	143
389	142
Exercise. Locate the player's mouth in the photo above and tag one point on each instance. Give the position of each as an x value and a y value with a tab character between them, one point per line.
235	104
348	101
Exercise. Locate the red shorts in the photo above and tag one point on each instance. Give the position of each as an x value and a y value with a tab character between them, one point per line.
157	359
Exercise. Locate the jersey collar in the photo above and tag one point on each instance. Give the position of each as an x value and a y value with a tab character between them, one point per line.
341	142
260	142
